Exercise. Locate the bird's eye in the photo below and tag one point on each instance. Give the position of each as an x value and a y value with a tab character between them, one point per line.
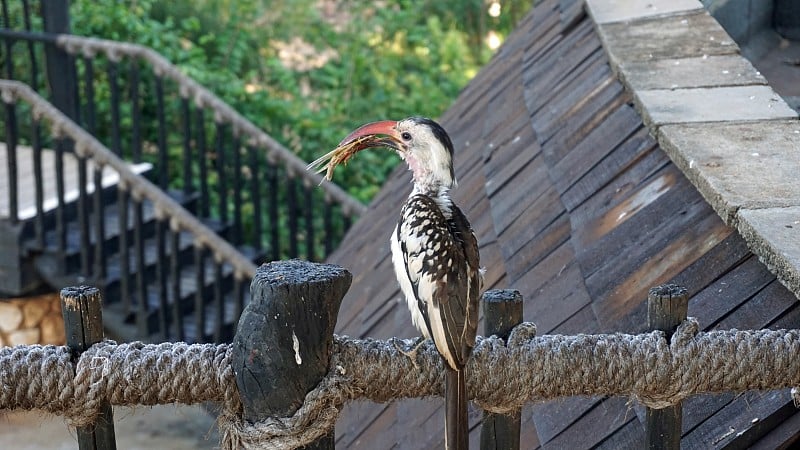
406	136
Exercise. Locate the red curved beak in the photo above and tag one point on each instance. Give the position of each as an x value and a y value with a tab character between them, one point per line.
374	130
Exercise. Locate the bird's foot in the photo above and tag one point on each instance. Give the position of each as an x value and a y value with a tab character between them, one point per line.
412	354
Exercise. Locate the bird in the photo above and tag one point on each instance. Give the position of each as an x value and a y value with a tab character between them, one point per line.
434	254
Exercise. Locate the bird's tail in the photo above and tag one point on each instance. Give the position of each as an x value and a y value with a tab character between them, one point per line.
455	410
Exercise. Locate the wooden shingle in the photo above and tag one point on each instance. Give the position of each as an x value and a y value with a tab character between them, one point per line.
575	205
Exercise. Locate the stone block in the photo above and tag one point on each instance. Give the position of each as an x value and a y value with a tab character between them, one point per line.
774	235
685	36
32	311
738	165
52	327
738	103
10	316
695	72
608	11
25	336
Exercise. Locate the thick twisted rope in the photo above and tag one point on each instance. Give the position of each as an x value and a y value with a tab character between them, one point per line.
502	376
46	378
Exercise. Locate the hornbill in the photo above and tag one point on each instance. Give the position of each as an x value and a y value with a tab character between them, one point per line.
434	251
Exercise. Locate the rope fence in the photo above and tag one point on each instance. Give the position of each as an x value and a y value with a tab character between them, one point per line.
502	376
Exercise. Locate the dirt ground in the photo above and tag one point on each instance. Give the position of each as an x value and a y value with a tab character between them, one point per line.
161	427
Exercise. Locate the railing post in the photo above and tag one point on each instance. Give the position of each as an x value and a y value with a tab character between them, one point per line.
61	73
83	325
63	82
284	339
667	307
502	311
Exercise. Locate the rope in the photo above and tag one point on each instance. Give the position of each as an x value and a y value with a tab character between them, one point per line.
502	376
46	378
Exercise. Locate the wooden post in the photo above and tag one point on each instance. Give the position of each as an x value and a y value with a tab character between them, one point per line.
502	311
667	307
284	339
82	310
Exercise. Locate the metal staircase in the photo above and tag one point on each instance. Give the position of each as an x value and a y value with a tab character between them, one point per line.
190	195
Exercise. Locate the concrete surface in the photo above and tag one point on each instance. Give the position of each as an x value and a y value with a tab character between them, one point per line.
774	234
142	428
623	10
719	104
671	37
738	165
695	72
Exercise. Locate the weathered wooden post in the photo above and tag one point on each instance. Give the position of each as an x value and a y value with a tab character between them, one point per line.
284	339
502	311
82	309
667	306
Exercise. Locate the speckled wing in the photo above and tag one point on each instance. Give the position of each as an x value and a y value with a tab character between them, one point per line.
464	236
441	262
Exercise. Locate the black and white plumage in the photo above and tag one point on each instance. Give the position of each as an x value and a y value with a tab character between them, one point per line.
435	256
436	263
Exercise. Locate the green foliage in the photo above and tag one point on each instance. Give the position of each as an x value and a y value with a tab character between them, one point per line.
353	61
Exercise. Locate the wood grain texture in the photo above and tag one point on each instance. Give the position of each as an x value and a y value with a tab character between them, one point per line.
576	206
502	312
283	342
82	309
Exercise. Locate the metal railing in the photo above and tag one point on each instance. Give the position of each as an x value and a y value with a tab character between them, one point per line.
209	168
137	194
151	111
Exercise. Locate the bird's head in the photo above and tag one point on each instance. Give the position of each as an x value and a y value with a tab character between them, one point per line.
421	142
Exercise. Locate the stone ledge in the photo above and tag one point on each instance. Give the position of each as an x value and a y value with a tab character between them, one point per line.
625	10
718	104
738	165
774	235
735	139
694	72
669	37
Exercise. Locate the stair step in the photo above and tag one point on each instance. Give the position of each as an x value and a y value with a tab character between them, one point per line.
123	322
121	316
111	232
109	194
185	257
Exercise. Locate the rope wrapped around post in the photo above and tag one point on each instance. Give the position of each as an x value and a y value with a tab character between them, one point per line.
502	376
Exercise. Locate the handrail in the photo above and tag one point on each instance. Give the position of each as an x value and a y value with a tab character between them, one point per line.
139	187
223	112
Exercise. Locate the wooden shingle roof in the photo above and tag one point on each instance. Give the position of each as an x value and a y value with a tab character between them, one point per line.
576	206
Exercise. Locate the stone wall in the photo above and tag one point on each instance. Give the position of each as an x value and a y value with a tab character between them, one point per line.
31	320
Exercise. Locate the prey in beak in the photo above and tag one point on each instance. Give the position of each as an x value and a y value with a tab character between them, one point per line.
371	135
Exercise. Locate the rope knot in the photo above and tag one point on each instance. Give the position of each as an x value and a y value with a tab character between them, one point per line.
669	386
90	385
685	333
313	420
486	388
521	334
